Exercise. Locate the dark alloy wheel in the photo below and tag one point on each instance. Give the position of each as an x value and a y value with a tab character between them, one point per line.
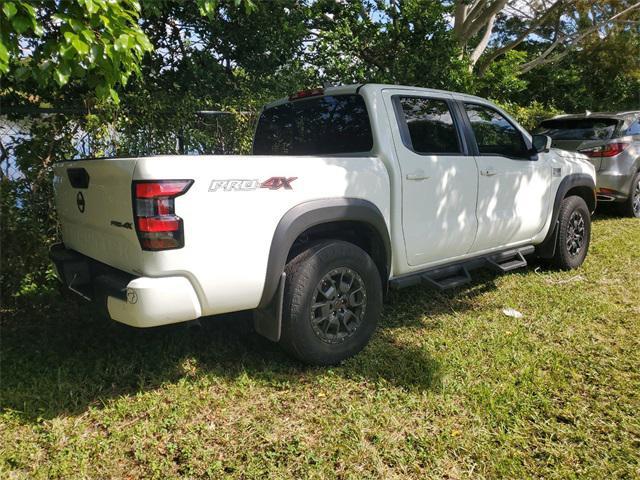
574	233
340	302
332	302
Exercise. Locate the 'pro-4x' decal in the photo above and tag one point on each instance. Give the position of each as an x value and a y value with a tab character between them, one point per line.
244	185
275	183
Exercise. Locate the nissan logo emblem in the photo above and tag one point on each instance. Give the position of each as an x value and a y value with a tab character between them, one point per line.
80	202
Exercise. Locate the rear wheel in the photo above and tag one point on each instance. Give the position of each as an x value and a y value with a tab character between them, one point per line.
574	233
332	302
631	206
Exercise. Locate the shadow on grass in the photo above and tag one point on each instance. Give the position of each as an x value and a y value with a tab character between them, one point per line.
59	358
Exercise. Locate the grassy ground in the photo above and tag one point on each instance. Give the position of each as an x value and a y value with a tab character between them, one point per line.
450	387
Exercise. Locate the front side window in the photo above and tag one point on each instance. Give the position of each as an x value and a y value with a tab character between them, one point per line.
495	135
316	126
430	125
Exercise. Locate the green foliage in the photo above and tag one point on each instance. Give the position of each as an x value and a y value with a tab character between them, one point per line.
207	8
502	79
603	76
230	61
96	43
531	115
407	42
28	221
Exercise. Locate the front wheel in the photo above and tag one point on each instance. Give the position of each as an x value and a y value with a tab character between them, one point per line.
574	233
332	302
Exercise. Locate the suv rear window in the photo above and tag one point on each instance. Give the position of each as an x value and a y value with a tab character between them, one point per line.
580	128
317	126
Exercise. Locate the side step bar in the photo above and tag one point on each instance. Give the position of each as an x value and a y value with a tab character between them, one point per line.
506	265
446	280
457	274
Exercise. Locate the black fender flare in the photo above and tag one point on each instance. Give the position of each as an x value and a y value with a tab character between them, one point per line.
547	248
309	214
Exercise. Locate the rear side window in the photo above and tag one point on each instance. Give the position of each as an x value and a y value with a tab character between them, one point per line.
430	125
579	128
494	133
317	126
634	128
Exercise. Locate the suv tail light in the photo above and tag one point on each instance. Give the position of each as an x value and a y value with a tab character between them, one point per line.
610	150
157	225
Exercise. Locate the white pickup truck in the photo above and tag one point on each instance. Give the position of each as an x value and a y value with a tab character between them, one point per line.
350	190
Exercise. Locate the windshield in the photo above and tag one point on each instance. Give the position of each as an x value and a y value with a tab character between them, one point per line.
579	128
317	126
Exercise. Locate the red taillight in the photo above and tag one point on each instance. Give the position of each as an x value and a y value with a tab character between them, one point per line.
169	188
158	227
610	150
166	223
314	92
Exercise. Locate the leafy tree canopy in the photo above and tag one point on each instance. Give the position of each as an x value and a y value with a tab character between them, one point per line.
90	45
97	43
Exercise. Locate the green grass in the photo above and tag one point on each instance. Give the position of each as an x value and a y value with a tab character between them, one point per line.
450	387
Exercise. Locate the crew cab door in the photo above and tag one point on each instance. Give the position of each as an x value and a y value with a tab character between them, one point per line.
439	178
513	185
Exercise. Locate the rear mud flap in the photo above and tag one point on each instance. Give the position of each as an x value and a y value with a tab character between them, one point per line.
268	321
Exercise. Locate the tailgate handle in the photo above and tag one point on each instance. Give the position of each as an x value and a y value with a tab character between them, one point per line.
78	177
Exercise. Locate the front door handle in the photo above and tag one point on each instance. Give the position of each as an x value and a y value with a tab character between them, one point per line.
417	176
489	172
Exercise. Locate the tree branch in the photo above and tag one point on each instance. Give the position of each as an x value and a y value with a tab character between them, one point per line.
510	46
459	17
484	41
543	58
474	25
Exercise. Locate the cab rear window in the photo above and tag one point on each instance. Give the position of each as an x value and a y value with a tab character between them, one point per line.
580	129
316	126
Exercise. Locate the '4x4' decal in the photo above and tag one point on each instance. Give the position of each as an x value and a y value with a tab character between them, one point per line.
243	185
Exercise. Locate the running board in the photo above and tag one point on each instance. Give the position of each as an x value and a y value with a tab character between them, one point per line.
504	265
458	273
447	279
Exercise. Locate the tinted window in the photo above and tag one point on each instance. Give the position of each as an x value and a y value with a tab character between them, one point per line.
579	128
317	126
494	133
430	125
634	128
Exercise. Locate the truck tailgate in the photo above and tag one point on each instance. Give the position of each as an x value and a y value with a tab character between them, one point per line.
94	203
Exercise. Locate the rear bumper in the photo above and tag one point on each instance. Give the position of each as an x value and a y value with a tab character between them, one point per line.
136	301
613	186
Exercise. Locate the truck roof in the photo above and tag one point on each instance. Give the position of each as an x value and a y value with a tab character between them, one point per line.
354	88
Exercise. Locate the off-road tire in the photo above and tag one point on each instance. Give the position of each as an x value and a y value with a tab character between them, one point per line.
574	233
307	276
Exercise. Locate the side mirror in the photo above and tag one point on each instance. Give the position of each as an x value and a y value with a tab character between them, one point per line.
541	143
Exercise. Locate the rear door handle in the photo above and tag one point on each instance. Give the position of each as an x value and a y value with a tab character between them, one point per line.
417	176
489	172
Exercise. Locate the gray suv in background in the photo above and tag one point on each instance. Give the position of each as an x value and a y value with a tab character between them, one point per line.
612	143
